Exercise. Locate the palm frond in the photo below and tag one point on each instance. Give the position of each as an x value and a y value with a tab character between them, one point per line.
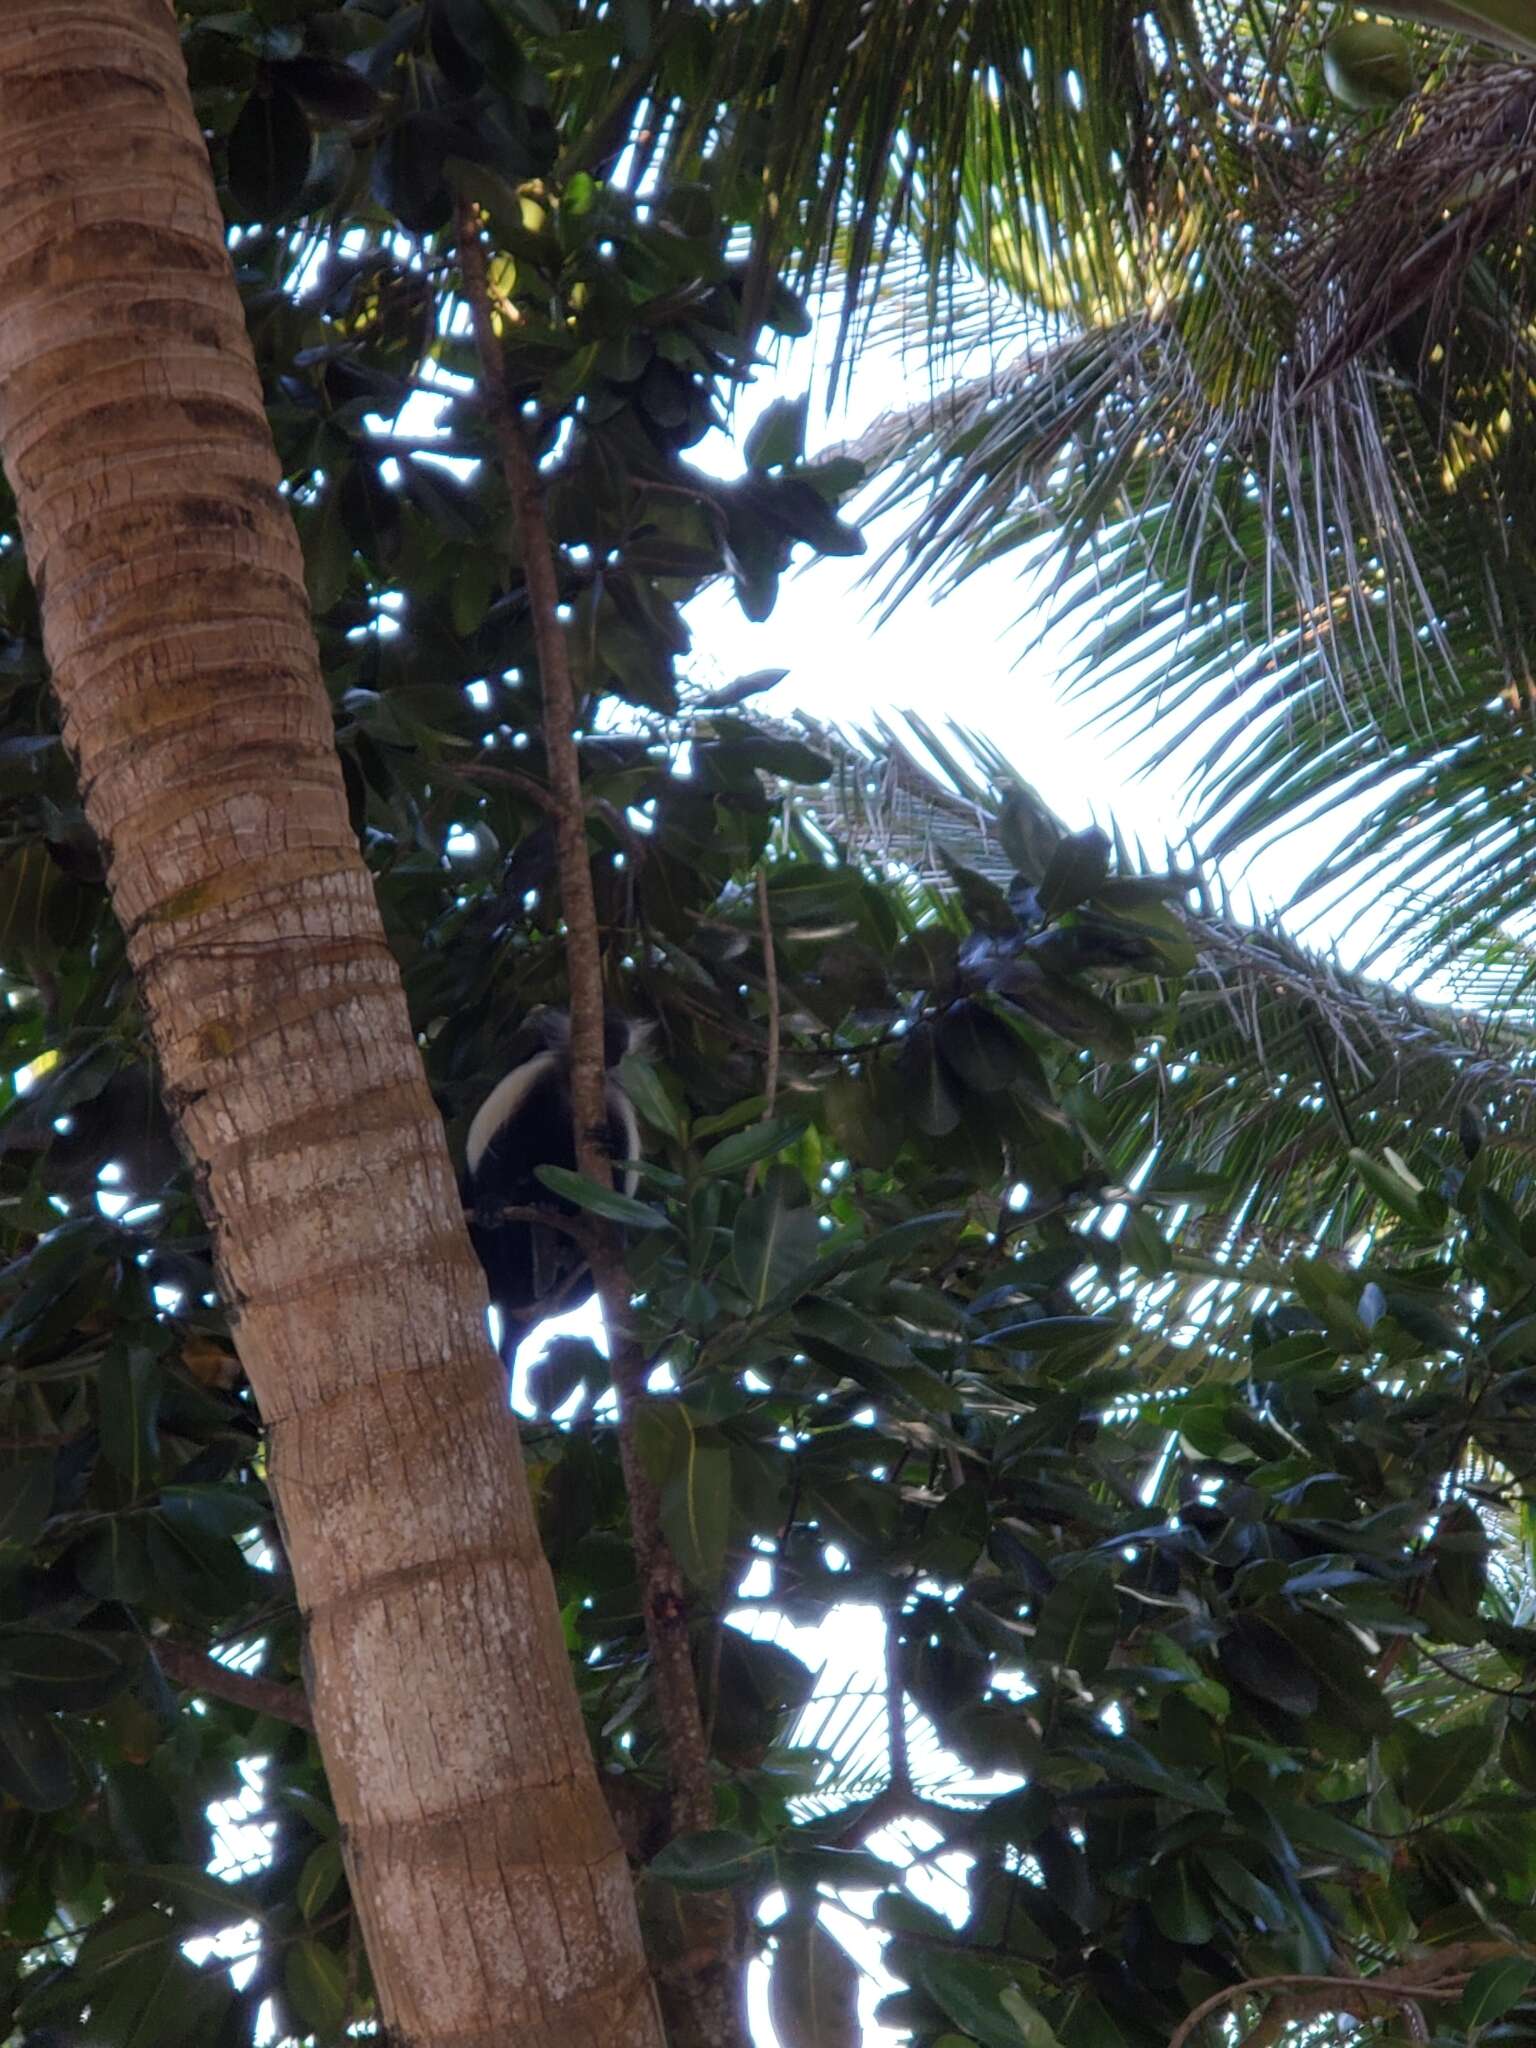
1270	1062
1034	130
1289	510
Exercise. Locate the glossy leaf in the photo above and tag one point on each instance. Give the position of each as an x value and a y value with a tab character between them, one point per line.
696	1510
772	1245
716	1859
114	1563
26	1493
59	1672
128	1390
36	1763
605	1202
315	1979
758	1141
814	1985
1493	1989
270	150
1076	868
1079	1623
973	1993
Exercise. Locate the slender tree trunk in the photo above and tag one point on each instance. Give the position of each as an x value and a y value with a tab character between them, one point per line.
495	1900
703	1989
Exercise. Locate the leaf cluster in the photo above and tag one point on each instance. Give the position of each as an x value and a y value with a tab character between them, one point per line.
1220	1631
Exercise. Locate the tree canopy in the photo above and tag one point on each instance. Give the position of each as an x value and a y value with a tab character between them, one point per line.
1137	1313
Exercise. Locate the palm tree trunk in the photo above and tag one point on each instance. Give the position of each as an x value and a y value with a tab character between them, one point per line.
496	1904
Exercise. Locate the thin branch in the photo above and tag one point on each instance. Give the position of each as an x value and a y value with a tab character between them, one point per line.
1356	1995
664	1592
581	1228
635	845
1498	1692
771	982
195	1671
510	778
896	1708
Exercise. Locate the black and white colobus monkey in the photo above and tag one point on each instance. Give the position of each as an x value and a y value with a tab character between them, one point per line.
523	1124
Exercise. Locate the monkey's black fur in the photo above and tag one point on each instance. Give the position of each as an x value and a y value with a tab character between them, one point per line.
525	1123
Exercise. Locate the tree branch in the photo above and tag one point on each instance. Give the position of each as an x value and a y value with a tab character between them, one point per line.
1356	1995
771	983
663	1591
509	778
194	1670
1497	1692
896	1707
715	1995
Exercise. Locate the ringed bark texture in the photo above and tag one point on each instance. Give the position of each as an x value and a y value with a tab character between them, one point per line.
496	1903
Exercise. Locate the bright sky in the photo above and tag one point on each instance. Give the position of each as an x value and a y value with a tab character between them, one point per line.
966	658
973	657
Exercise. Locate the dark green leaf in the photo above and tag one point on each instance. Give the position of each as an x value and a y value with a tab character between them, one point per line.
865	1348
198	1898
114	1563
322	1873
1517	1752
1179	1904
330	90
1072	1012
651	1097
1348	1694
1316	1827
315	1978
409	177
980	1049
1439	1768
539	15
270	147
605	1202
1258	1658
36	1764
716	1859
758	1141
128	1388
813	1993
927	1095
198	1574
1076	868
1493	1989
220	1510
789	760
26	1494
975	1995
124	1938
696	1511
43	912
1389	1186
772	1245
778	438
804	512
1260	1902
59	1672
1080	1622
1055	1333
1132	1764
